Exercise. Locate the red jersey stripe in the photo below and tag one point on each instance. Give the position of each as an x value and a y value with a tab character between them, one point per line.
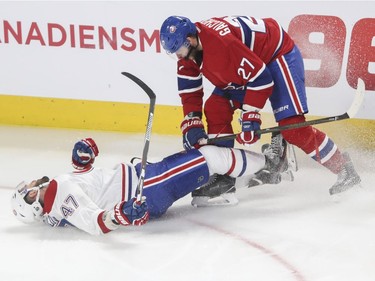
175	171
290	84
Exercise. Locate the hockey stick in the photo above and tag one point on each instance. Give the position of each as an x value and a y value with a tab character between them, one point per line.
152	97
352	111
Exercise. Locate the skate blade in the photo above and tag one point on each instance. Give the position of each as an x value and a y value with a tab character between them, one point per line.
348	193
226	199
292	158
287	176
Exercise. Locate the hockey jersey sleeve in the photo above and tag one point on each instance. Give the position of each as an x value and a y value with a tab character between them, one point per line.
67	204
190	86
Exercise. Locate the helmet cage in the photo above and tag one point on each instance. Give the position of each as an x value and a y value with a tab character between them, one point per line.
25	212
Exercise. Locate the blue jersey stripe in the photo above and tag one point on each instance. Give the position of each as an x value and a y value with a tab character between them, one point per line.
246	31
129	184
324	151
244	162
186	84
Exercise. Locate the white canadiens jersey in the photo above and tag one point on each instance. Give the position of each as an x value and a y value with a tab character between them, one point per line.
80	198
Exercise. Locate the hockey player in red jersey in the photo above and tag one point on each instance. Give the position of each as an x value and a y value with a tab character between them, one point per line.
249	61
98	200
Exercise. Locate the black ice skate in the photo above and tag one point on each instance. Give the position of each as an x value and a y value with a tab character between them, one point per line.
219	190
346	178
277	163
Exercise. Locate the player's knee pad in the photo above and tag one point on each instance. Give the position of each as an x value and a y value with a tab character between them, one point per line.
306	138
233	162
245	163
295	136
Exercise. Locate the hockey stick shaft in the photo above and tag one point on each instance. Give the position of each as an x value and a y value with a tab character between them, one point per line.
283	128
150	118
352	111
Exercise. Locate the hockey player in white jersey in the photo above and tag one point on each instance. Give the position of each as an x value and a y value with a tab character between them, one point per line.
99	200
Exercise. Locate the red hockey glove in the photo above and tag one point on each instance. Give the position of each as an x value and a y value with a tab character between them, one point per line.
192	131
84	153
250	122
131	212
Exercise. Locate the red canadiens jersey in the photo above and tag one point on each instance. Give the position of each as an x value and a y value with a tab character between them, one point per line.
236	51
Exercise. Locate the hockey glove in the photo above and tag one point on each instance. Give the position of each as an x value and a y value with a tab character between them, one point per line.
192	131
131	212
250	122
84	153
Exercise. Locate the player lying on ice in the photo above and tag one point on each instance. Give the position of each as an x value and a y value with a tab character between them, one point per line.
99	200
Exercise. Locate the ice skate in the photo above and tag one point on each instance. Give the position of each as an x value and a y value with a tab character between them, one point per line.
347	178
219	190
265	177
277	164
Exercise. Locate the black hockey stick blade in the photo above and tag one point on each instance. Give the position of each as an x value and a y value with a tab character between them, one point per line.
141	84
352	111
152	97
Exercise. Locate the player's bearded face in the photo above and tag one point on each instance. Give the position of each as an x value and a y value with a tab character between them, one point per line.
191	53
195	55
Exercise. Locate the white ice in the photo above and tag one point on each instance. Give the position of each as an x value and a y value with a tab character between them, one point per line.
290	231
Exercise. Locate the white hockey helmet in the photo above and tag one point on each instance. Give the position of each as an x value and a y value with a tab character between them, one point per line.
25	212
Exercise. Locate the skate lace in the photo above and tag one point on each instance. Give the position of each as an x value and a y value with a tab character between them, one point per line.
342	176
275	149
211	181
346	178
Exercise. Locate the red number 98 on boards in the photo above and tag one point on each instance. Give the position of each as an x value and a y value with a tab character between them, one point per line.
322	39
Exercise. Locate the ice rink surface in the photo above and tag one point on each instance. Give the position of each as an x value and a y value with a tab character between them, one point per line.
291	231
